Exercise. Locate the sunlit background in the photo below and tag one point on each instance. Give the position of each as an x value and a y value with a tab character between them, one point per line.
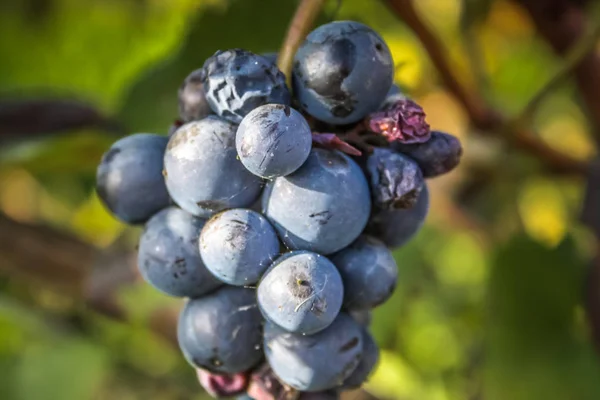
488	304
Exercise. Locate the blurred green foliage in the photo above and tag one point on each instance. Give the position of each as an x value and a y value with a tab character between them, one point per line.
488	303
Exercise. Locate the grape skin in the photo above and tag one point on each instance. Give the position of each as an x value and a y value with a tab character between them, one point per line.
129	179
203	174
168	256
238	245
323	206
315	362
221	332
237	81
368	362
396	227
302	292
369	272
192	100
273	140
342	72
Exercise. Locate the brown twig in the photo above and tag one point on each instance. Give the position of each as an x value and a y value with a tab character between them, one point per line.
43	256
574	57
481	114
563	24
22	118
303	20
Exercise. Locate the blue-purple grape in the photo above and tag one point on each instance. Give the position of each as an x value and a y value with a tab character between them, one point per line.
367	364
203	174
342	72
323	206
168	256
396	181
315	362
273	140
238	245
237	81
221	332
302	292
439	155
369	273
396	227
129	179
193	105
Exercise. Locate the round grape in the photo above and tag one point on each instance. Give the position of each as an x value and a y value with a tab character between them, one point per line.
202	171
323	206
315	362
221	332
238	245
273	140
396	227
342	72
368	362
168	256
192	101
129	178
369	272
237	81
302	292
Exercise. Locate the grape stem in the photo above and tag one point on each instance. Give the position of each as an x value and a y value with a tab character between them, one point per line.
302	22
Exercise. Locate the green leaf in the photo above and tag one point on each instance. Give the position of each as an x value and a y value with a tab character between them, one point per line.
65	370
90	48
534	349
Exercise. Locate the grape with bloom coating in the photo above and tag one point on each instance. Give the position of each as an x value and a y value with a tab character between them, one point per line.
323	206
202	172
221	332
238	245
168	256
302	292
342	72
273	140
315	362
369	272
129	178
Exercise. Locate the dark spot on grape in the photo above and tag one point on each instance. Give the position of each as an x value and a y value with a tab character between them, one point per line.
349	345
110	155
211	205
341	110
299	286
378	47
215	362
322	217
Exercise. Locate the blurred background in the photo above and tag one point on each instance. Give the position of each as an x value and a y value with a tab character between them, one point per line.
494	291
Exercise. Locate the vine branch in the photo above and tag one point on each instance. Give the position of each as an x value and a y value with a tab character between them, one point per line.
302	22
481	114
563	24
573	58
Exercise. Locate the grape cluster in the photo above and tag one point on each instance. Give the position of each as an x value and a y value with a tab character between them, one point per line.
275	215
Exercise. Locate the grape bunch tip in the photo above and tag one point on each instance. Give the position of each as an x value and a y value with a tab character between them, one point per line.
276	215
